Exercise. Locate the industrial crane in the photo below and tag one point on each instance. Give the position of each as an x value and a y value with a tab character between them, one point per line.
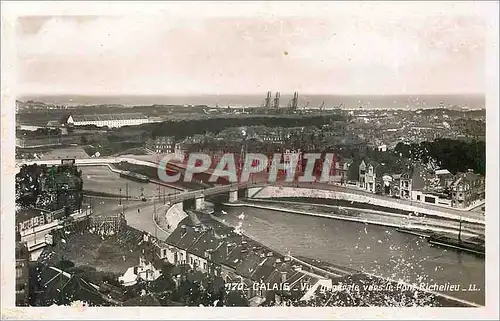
267	101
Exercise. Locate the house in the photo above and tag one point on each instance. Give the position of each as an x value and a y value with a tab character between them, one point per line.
412	180
371	176
200	253
175	250
445	177
395	185
29	218
144	271
422	186
169	253
467	189
53	123
236	259
362	168
58	287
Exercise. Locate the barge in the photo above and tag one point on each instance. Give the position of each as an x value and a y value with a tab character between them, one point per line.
473	245
134	176
468	245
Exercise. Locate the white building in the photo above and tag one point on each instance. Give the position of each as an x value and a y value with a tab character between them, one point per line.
144	271
382	148
109	120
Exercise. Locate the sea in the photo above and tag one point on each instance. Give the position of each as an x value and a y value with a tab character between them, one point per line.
470	101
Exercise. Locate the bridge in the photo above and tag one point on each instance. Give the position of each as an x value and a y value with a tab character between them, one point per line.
198	195
87	162
250	188
136	160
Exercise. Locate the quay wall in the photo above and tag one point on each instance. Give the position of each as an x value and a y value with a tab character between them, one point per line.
174	215
278	191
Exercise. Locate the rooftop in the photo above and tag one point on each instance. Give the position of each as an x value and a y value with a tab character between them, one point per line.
28	213
442	172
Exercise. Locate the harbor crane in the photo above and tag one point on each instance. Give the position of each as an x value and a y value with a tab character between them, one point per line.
277	101
294	102
267	101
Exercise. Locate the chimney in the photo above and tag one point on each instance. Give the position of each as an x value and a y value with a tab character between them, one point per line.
183	230
283	277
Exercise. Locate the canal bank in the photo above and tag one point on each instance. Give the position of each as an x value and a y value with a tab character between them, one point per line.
366	216
372	249
270	192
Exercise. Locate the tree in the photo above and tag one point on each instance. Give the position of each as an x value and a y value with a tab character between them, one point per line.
65	265
235	299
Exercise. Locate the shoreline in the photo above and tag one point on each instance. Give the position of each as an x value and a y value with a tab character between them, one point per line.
345	218
363	210
341	193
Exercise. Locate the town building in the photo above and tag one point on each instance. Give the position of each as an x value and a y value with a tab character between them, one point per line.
443	188
467	189
445	177
22	272
411	181
375	177
161	145
144	271
341	171
108	120
362	168
30	218
236	259
180	151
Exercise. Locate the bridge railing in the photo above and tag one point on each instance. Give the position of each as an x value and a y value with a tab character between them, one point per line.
213	190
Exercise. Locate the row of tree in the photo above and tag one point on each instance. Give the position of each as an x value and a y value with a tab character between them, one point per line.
453	155
185	128
49	188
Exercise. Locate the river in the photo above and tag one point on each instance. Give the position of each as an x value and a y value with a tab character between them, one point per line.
369	248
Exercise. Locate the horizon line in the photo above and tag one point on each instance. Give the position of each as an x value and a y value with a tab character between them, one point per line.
243	94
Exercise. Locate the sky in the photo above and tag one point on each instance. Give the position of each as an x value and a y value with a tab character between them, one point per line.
250	48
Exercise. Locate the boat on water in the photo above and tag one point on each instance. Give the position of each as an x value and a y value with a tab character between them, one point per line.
223	212
468	245
134	176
